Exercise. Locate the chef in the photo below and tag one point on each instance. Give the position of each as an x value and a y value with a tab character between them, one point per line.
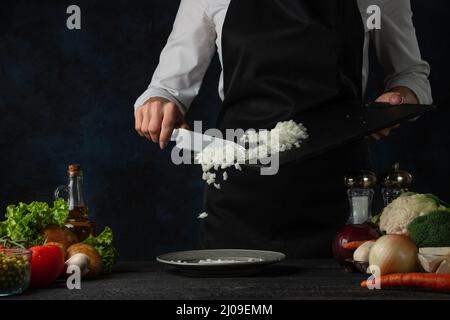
281	58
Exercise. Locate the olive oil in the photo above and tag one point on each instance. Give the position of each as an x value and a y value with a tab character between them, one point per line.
78	220
78	214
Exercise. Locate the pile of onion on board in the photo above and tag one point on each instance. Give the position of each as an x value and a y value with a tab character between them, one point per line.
415	248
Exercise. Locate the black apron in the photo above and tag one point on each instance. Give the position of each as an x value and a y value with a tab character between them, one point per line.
282	58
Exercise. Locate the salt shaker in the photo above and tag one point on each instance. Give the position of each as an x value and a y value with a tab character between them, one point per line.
394	183
360	192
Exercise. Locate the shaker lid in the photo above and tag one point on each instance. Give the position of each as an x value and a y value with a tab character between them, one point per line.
361	180
396	178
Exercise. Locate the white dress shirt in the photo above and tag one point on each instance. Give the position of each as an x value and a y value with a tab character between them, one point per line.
197	33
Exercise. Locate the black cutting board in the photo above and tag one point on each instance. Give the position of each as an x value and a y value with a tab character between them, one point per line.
334	126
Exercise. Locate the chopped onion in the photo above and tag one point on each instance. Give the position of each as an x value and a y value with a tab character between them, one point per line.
221	261
285	136
203	215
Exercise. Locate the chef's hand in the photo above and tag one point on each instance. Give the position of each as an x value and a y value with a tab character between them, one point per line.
395	97
157	118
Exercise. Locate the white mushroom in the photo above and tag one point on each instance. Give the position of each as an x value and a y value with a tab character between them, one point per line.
80	260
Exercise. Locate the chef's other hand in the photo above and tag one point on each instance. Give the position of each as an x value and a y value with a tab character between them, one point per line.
157	118
396	97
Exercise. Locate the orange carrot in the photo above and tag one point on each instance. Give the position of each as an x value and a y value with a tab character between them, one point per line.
431	281
353	245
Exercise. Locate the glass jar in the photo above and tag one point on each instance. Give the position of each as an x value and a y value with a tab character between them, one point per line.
15	271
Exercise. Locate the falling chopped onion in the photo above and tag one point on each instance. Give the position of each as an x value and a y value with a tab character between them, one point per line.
285	136
203	215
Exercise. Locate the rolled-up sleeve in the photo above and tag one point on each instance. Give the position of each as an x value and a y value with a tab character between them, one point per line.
398	50
185	58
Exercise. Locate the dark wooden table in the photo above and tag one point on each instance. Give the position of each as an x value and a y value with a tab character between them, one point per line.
305	279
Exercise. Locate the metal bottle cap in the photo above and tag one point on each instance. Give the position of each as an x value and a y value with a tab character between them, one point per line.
397	179
361	180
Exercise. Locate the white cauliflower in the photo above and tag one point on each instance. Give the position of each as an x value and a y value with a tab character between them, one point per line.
402	211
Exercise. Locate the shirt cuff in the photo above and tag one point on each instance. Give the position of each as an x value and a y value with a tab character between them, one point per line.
156	92
421	90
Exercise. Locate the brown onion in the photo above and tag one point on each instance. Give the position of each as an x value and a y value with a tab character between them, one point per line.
394	254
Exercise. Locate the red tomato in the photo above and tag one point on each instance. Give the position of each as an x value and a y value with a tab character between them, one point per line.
47	263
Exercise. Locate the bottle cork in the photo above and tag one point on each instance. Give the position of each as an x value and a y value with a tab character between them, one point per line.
75	170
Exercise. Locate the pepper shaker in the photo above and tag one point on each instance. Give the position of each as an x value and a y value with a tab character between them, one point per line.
360	185
394	183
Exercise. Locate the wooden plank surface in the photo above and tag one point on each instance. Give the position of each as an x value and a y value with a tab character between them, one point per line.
293	279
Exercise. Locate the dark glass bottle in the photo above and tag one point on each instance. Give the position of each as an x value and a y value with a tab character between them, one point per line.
78	220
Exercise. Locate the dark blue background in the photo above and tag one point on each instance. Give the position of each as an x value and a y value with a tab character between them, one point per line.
67	97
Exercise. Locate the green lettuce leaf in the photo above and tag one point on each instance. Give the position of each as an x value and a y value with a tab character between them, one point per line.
24	222
2	230
103	243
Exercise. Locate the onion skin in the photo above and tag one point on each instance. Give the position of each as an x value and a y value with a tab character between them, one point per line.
394	254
